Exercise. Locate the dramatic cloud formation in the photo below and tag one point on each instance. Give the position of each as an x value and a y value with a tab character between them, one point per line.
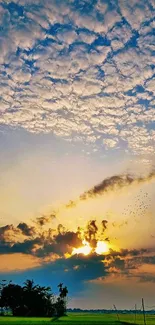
46	241
40	243
53	251
83	70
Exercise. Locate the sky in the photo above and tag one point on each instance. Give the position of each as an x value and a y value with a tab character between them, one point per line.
77	142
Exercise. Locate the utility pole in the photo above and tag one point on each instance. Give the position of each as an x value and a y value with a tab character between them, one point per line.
116	313
143	311
135	313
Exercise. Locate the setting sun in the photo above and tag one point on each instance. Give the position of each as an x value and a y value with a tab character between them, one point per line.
102	247
85	249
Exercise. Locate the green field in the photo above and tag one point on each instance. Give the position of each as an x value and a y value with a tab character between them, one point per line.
75	319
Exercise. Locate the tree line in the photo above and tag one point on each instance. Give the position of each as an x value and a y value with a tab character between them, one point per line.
32	300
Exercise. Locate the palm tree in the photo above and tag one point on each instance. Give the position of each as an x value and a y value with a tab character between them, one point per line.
29	285
60	285
62	300
64	292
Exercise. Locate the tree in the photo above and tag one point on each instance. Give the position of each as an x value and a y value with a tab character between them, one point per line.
63	291
12	297
61	304
29	285
39	300
33	300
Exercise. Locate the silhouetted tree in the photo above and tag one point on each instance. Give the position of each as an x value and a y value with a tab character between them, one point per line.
32	300
29	285
61	304
12	297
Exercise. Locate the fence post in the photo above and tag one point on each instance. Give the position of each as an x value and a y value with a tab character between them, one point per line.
143	311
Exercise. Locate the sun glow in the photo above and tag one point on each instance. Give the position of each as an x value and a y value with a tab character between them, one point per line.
85	249
101	248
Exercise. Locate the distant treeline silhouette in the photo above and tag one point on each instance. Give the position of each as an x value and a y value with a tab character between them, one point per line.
32	300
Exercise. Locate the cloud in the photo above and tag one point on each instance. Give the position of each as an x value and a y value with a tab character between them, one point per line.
137	265
110	143
43	241
18	262
83	268
131	11
113	184
86	62
51	250
83	71
48	239
9	233
26	230
43	220
47	247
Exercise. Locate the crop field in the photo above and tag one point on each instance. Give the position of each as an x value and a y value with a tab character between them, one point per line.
80	318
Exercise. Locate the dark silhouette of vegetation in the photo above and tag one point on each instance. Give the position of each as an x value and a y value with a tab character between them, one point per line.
61	303
32	300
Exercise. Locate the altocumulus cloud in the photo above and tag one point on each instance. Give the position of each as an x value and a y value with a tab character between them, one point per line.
83	70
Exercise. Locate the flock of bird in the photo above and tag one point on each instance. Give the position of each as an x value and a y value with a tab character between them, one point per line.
137	211
141	205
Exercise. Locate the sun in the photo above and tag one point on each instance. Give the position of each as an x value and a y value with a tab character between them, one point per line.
85	249
101	248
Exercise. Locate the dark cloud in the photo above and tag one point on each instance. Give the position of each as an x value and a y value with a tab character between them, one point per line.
60	241
129	253
42	242
82	268
43	220
60	244
70	238
115	183
110	184
26	230
39	243
104	225
129	263
7	231
91	232
51	247
55	246
61	229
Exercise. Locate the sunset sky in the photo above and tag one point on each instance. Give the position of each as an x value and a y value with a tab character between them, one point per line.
77	143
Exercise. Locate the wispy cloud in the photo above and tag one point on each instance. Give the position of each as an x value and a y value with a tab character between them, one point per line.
113	184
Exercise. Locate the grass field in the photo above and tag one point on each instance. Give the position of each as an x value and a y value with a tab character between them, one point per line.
75	319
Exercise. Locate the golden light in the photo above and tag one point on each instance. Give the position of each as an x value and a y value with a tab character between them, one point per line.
85	249
101	248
